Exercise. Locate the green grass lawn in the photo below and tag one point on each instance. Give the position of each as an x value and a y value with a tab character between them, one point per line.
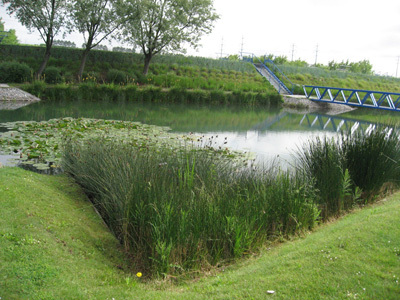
53	245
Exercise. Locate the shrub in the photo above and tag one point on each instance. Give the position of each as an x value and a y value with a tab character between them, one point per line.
91	77
117	76
52	75
14	72
37	88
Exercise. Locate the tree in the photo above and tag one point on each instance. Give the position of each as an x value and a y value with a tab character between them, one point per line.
233	57
46	16
62	43
96	20
7	37
166	25
363	67
123	49
101	47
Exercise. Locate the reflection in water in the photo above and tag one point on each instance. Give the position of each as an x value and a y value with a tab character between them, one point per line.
7	160
268	146
270	134
278	138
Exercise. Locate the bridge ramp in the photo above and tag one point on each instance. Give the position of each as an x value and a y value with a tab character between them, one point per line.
262	69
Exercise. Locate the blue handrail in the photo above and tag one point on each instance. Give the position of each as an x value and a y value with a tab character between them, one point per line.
279	70
250	58
353	97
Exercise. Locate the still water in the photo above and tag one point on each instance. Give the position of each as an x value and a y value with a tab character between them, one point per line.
271	135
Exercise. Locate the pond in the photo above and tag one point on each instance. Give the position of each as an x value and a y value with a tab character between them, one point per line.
269	134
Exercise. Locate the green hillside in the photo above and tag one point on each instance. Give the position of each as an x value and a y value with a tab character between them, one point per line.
55	246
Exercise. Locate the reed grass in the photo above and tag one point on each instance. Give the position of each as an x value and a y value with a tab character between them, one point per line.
372	159
91	91
351	169
177	210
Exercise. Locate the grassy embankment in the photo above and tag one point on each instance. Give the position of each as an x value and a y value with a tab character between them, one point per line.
190	79
54	246
340	79
117	76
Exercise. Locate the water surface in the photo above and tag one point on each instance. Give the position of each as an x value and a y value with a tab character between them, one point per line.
271	134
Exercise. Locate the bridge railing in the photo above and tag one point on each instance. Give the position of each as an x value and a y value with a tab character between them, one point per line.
353	97
276	70
276	73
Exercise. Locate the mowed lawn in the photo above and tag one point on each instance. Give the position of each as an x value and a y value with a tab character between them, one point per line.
53	245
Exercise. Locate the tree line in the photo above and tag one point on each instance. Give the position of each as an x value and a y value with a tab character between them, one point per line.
7	37
152	25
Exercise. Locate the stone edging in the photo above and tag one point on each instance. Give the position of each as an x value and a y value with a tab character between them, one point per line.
303	103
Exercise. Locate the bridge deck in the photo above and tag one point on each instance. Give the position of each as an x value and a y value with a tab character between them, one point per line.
353	97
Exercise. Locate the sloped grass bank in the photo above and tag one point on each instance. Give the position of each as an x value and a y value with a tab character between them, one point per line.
355	257
54	246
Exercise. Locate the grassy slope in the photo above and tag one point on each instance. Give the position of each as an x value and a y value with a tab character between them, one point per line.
53	246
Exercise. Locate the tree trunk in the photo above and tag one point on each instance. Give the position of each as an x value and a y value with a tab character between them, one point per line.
147	59
83	62
44	63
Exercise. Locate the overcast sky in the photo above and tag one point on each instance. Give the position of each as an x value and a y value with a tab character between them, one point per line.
342	29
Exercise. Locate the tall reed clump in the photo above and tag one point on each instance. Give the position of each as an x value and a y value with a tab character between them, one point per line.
350	169
186	209
372	159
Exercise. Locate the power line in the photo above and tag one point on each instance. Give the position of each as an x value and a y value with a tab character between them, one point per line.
292	51
222	46
241	48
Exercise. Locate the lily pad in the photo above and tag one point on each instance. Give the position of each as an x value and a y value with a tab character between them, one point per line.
43	141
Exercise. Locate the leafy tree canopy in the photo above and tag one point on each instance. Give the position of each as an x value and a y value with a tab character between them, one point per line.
166	25
63	43
363	67
96	20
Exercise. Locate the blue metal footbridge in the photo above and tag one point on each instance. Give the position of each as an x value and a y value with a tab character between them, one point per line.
352	97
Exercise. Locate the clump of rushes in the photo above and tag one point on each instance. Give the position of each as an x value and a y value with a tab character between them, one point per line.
351	169
177	210
183	208
372	159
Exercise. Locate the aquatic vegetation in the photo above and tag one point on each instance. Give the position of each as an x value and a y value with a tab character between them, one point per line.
43	140
181	209
156	94
351	169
